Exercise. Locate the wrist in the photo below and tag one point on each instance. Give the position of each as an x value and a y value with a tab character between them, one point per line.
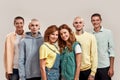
91	76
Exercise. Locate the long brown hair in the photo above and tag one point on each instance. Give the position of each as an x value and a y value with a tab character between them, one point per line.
49	31
62	44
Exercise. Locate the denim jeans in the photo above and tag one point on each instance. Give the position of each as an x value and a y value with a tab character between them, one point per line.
15	75
53	73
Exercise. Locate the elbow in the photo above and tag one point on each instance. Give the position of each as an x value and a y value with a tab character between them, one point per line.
78	65
42	69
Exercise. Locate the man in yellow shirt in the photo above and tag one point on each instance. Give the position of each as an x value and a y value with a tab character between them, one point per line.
89	50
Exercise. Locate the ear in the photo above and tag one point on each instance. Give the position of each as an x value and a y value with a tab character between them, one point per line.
73	25
28	26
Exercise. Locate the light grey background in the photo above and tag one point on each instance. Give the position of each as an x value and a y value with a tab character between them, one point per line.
58	12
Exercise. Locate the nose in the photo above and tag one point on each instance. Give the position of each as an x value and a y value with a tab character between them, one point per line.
63	35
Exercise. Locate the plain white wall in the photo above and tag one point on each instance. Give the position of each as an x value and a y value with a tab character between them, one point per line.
57	12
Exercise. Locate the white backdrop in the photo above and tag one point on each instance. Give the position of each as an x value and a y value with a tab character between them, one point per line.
57	12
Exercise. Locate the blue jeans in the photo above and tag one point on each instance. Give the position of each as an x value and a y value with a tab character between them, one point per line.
53	73
15	75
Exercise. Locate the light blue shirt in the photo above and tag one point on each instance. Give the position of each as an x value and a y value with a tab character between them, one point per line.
105	47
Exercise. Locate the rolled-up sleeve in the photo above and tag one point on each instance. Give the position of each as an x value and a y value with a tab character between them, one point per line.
111	45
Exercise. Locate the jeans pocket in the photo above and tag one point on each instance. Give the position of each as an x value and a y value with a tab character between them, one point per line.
53	75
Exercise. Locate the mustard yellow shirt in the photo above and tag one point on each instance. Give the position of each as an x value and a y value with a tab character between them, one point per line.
50	56
89	52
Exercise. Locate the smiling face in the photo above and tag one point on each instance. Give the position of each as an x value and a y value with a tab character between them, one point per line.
96	21
64	33
34	26
78	23
53	37
19	23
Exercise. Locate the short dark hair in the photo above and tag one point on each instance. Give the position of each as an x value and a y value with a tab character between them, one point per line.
18	17
96	14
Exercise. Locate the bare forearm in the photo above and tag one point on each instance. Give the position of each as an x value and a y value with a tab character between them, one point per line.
77	73
111	69
111	62
42	69
43	74
78	64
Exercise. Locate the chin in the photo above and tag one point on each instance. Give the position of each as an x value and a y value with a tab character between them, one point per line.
65	39
19	29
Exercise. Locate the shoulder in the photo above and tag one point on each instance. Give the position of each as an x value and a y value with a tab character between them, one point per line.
89	35
10	34
76	43
107	31
43	46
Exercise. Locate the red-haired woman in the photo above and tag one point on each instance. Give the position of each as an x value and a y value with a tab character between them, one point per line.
70	54
49	55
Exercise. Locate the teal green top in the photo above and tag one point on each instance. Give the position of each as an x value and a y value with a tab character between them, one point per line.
105	47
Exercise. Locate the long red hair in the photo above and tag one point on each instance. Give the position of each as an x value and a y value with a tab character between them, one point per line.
62	44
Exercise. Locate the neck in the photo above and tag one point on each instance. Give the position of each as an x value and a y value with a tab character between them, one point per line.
34	34
79	32
51	43
97	29
19	32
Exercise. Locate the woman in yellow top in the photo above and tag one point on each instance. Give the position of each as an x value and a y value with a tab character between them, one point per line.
49	55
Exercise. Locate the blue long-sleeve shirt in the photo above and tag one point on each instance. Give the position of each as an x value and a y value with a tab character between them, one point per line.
105	47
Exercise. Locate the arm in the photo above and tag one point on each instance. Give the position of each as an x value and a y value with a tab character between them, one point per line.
94	58
22	56
112	55
78	54
5	59
43	56
111	69
42	69
8	56
78	63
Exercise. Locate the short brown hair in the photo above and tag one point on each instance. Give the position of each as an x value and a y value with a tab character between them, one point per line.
18	17
49	31
96	14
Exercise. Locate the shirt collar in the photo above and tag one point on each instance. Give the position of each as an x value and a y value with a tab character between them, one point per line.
101	30
17	34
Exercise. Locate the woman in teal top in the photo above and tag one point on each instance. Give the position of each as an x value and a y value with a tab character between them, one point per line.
71	54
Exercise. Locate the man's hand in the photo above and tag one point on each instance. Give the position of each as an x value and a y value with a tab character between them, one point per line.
91	77
110	72
8	76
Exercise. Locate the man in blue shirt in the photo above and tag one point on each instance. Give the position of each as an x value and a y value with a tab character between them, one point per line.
105	48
